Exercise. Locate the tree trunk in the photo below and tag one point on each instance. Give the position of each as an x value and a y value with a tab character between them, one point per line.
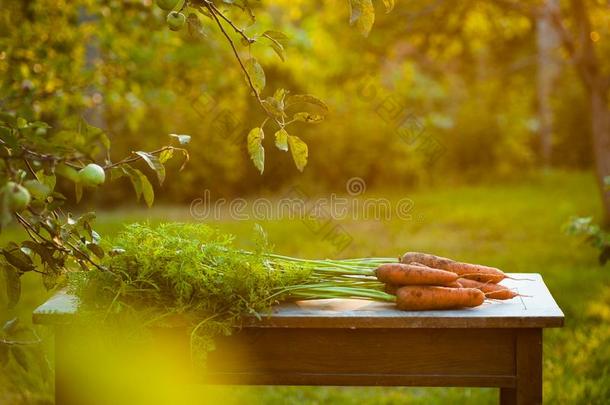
600	116
95	114
597	83
548	42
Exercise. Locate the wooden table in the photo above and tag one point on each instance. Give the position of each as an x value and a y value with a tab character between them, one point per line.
362	343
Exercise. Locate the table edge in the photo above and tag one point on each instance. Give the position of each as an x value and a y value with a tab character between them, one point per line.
69	305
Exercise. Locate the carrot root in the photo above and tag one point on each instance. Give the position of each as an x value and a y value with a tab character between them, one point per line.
406	274
473	271
421	298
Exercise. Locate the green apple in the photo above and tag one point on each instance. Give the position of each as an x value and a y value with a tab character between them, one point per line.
175	20
167	5
18	197
91	175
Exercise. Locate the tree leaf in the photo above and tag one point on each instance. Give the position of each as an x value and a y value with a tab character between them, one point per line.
255	148
273	107
277	35
37	189
275	38
46	254
604	256
90	131
48	179
307	99
78	191
279	96
18	259
13	285
96	249
166	155
66	171
147	191
256	73
186	156
299	151
85	219
182	139
116	173
308	118
195	27
279	50
281	140
154	163
135	178
8	117
141	185
105	140
389	5
6	134
5	210
362	14
49	279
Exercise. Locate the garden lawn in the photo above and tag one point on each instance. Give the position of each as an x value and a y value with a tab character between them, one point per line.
516	227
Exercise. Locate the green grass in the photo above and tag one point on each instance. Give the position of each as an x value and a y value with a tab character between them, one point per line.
516	227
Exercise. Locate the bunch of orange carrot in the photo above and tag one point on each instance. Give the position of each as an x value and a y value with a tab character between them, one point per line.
417	281
426	282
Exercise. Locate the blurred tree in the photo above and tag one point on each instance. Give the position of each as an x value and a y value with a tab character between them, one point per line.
581	24
549	66
461	75
589	20
474	31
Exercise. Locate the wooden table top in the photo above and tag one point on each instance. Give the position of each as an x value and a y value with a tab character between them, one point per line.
535	309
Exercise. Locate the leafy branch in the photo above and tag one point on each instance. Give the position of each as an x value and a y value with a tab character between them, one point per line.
139	155
274	107
593	234
30	162
238	30
26	152
362	15
213	12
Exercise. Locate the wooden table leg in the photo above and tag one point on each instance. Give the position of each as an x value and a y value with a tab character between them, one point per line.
529	370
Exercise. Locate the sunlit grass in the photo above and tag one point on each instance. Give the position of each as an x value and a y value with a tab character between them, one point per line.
516	227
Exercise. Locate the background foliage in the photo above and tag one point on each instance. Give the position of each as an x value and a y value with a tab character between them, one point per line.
439	96
468	87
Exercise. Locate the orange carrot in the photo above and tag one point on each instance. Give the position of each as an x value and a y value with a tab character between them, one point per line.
391	288
421	298
406	274
419	264
455	284
466	270
490	290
